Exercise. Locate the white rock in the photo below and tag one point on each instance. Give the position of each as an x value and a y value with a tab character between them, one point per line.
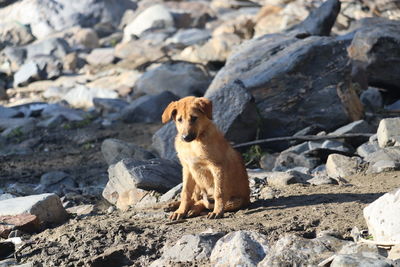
147	20
47	207
341	166
82	97
240	248
356	260
383	217
389	132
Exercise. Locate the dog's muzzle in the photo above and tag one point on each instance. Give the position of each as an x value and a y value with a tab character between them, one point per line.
188	138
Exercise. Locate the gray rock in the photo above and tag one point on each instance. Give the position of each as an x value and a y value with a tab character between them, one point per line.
373	52
156	16
389	154
187	37
187	249
320	179
389	132
148	108
360	126
280	179
320	20
14	34
240	248
394	106
288	160
109	105
82	96
26	74
52	122
101	56
292	250
114	150
359	261
8	113
313	100
16	126
171	194
367	149
342	166
267	161
234	113
6	196
47	207
70	114
384	166
382	219
371	98
181	78
46	17
56	182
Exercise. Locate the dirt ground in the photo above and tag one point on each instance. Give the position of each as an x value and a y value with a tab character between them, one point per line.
136	238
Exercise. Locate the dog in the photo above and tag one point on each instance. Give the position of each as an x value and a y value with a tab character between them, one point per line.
214	175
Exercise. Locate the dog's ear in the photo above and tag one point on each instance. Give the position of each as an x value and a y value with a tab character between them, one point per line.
169	112
205	106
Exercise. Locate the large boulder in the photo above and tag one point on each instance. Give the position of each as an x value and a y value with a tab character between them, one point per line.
383	218
374	51
47	207
234	113
296	94
47	16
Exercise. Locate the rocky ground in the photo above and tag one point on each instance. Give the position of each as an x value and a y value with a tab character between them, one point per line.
86	166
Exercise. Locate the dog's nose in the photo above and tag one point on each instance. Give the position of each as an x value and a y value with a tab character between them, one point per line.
188	138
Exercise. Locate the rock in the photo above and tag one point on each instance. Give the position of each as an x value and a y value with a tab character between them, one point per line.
129	178
389	132
7	249
342	166
101	56
358	261
109	105
6	196
394	106
53	110
111	256
56	182
47	207
16	126
136	53
81	210
115	150
87	38
373	53
27	73
367	148
181	78
292	250
280	179
320	179
82	96
27	223
372	98
233	112
267	161
320	20
171	194
275	85
156	16
389	153
46	17
384	166
117	80
7	113
148	108
187	37
382	218
287	160
14	34
189	248
216	49
394	253
243	248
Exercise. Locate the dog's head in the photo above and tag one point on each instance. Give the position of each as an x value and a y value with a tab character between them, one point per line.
191	115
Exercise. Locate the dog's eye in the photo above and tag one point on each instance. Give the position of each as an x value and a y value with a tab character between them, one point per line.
180	119
193	119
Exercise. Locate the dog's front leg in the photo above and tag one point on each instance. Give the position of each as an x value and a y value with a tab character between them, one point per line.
219	201
188	185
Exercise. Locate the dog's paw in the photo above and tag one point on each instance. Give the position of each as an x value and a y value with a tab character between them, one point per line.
177	216
214	215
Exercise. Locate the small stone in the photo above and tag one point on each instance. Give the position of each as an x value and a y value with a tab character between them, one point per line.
81	210
267	161
87	38
389	132
245	248
171	194
384	166
341	166
111	209
101	56
367	148
371	98
27	73
285	178
27	223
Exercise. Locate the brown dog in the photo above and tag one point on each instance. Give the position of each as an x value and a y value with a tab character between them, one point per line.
212	170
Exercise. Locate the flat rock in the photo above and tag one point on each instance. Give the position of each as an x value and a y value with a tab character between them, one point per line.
101	56
7	113
47	207
245	248
15	127
384	166
27	223
81	210
383	218
27	73
357	260
367	148
389	132
82	96
287	160
387	154
115	150
342	166
56	182
285	178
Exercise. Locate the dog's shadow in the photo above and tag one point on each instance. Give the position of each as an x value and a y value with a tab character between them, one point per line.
309	200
